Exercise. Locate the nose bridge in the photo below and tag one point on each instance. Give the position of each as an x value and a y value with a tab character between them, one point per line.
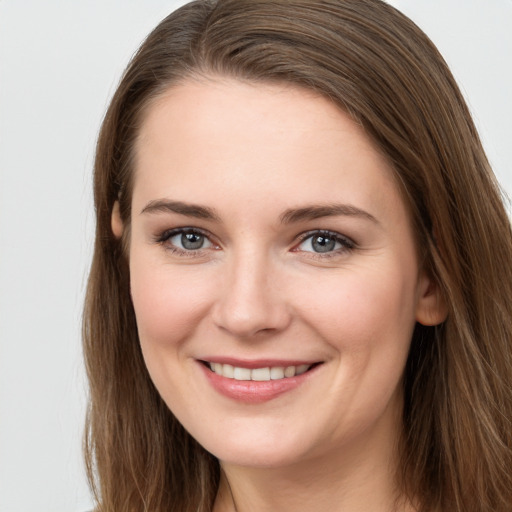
251	301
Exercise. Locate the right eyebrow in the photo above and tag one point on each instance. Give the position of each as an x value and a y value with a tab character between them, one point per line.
188	209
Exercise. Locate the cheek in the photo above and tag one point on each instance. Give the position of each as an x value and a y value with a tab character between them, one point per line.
367	319
371	308
168	305
366	300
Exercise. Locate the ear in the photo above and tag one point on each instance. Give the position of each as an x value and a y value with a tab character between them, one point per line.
431	308
116	221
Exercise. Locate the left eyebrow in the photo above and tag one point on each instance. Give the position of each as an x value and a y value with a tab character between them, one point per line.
329	210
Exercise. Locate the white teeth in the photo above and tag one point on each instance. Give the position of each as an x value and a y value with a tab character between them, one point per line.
258	374
242	373
277	373
289	371
228	371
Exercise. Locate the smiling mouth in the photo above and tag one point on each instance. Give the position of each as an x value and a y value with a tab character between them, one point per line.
263	374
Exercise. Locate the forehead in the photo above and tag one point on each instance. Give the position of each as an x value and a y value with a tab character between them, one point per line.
213	140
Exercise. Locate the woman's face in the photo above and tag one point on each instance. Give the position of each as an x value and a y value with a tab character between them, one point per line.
273	272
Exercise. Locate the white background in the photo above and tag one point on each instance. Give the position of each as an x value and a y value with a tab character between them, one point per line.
59	64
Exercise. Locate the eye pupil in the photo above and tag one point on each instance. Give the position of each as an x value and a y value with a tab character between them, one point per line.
323	244
192	241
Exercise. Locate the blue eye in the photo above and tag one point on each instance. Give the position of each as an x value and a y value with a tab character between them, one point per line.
190	241
322	242
185	240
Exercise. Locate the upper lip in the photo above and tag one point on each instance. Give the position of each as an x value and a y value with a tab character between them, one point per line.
258	363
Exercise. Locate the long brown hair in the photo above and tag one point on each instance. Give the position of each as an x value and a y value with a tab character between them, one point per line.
456	450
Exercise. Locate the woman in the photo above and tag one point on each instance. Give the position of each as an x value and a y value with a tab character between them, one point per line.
301	291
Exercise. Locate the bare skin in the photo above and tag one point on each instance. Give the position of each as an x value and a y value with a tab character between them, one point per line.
268	231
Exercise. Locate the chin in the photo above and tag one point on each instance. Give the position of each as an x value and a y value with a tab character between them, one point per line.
259	459
257	450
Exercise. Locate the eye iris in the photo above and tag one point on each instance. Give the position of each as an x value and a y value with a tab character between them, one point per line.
192	241
323	244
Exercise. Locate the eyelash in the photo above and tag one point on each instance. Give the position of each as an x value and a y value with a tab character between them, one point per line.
346	243
164	238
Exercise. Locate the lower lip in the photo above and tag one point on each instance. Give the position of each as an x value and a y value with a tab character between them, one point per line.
254	392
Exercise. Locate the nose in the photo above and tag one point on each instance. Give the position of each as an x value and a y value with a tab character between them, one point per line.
251	302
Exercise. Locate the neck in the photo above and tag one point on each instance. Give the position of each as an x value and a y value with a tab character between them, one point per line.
358	478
